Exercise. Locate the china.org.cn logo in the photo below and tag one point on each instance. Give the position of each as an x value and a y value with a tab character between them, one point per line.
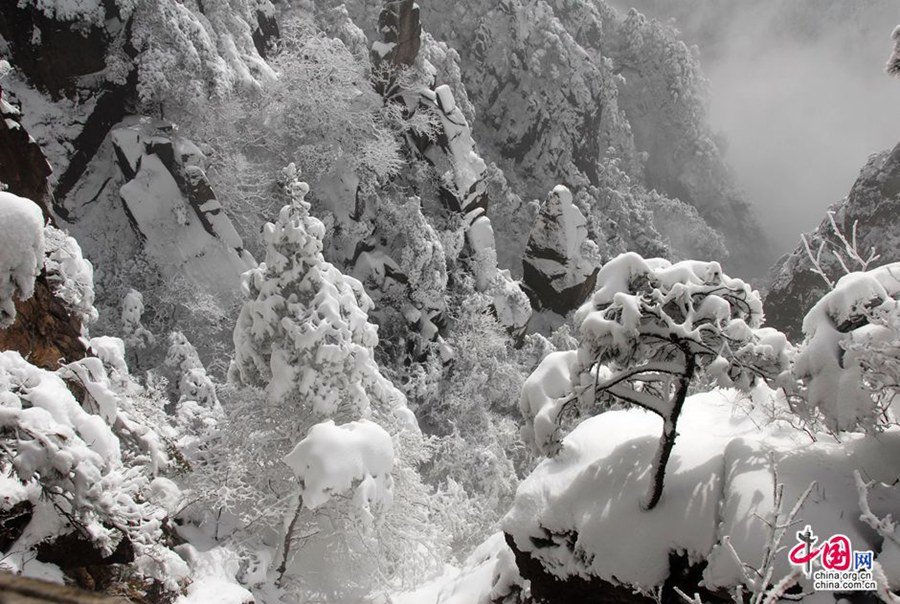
843	568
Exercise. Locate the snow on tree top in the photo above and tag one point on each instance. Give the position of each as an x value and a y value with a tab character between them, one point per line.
333	459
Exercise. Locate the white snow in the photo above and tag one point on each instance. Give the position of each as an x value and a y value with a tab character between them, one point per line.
174	234
213	574
333	459
488	575
70	274
542	394
585	503
832	372
21	252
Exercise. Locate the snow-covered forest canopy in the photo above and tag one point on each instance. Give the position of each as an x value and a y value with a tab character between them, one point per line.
462	302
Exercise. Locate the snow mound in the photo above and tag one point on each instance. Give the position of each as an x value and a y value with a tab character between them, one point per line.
21	251
488	575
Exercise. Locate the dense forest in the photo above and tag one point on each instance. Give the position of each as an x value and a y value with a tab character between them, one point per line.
440	303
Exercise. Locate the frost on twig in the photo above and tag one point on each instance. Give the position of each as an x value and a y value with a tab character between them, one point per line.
886	528
760	579
846	252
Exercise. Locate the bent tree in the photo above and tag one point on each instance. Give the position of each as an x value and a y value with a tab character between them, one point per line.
651	330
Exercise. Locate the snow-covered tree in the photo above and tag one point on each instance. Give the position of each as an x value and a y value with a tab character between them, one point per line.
304	337
650	331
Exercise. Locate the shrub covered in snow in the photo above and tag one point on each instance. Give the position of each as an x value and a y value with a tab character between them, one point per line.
71	468
848	362
70	274
133	329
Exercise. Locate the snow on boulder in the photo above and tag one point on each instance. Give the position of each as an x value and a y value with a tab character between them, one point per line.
560	264
579	514
21	252
145	191
334	459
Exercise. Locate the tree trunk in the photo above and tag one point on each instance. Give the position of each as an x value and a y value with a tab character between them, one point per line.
670	424
286	546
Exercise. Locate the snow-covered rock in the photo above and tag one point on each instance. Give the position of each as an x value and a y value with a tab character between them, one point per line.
401	34
560	264
148	178
579	514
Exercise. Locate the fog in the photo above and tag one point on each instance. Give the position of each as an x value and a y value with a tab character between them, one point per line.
799	93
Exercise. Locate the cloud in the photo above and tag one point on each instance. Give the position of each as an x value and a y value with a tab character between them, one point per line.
799	92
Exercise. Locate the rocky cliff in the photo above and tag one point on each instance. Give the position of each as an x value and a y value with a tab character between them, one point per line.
870	214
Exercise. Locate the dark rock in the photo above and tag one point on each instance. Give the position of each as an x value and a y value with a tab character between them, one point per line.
266	31
52	54
13	522
547	588
44	332
74	551
401	32
23	167
873	205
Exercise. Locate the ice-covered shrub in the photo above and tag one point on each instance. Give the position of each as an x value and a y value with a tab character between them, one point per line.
70	274
71	468
848	360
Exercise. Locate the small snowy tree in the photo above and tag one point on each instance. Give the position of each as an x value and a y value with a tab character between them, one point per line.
133	329
650	331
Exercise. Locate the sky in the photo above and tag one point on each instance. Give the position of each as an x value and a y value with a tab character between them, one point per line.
799	92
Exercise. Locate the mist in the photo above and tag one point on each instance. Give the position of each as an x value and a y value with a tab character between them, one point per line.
799	94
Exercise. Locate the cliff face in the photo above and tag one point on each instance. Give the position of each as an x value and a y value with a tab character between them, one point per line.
872	211
634	94
45	331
